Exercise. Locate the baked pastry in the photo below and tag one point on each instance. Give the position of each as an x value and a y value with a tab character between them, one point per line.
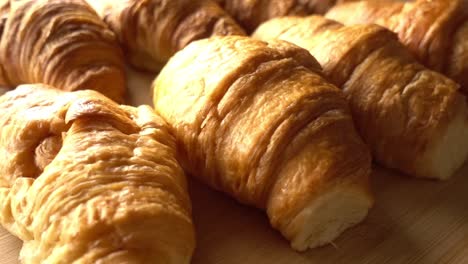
151	31
251	13
84	180
61	43
435	31
257	121
413	119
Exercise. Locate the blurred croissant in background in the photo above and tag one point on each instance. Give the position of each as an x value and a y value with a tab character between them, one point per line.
151	31
435	31
84	180
60	43
251	13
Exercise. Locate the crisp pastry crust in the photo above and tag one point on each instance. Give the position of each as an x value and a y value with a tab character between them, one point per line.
434	31
151	31
412	118
251	13
60	43
257	121
84	180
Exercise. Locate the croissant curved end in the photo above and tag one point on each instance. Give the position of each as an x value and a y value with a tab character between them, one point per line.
447	154
328	216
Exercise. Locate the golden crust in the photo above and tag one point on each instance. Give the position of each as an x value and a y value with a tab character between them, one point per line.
256	120
399	106
59	43
85	180
151	31
251	14
434	31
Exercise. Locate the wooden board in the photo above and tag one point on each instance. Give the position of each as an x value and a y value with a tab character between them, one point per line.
413	221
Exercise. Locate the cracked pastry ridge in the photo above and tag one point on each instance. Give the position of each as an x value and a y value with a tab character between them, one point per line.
62	43
257	121
413	119
435	31
151	31
84	180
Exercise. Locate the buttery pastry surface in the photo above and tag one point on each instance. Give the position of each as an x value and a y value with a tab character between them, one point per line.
257	121
62	43
84	180
151	31
413	119
435	31
251	13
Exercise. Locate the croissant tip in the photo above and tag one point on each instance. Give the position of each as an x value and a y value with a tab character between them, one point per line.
448	152
328	216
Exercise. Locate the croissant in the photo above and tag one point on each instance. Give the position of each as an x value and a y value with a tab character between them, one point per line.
413	119
435	31
61	43
251	13
151	31
257	121
84	180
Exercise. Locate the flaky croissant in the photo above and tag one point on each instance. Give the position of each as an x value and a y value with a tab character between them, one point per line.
83	180
62	43
251	13
413	119
151	31
436	31
256	120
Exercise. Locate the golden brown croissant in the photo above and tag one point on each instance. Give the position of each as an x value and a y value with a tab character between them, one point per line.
251	13
61	43
256	120
413	119
151	31
436	31
83	180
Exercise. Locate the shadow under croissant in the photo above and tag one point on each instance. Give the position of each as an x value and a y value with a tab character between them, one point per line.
3	90
140	83
397	228
421	215
225	227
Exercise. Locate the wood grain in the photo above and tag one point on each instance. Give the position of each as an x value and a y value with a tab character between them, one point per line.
414	221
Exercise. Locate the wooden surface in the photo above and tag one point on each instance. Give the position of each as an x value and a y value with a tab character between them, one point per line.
414	221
